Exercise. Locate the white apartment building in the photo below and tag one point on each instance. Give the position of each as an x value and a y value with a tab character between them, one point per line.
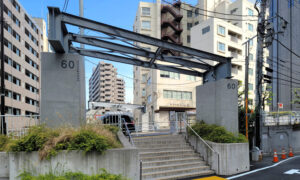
225	36
163	92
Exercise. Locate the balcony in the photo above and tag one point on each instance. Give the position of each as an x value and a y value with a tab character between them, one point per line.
234	37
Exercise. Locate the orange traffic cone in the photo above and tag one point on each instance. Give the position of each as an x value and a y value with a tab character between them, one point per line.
291	152
283	154
275	157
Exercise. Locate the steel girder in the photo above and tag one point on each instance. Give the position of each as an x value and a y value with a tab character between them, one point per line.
61	41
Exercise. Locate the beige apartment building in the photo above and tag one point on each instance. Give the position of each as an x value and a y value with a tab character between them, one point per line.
162	91
105	86
24	40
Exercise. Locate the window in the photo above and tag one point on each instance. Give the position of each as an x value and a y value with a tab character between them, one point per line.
189	26
149	99
250	57
221	47
206	29
149	81
250	71
188	39
221	30
144	77
8	93
189	13
178	95
197	12
144	92
190	78
197	22
233	10
250	27
146	25
31	62
250	86
167	74
250	12
251	42
16	96
145	11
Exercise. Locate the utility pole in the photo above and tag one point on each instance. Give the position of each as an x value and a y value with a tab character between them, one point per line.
81	15
259	62
246	83
3	123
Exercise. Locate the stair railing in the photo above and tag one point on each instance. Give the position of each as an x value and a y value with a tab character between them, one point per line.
128	132
209	154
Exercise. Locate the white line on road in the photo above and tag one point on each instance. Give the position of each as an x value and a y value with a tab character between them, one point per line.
256	170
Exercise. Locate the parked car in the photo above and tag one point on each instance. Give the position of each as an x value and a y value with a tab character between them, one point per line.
119	119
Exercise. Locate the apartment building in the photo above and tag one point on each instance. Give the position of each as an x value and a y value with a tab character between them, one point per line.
163	91
225	36
105	86
23	42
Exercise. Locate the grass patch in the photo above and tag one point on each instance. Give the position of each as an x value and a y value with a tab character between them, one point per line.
49	141
216	133
103	175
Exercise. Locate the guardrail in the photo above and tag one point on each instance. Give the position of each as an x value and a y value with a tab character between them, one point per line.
277	119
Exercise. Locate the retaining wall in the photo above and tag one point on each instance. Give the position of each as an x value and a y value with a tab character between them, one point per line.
116	161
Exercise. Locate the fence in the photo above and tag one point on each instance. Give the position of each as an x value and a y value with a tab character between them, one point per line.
18	125
281	118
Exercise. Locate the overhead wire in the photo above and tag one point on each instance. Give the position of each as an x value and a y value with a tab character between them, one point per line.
227	19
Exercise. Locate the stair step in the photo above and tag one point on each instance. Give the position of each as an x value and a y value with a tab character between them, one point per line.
173	167
173	157
151	138
176	172
186	175
160	142
159	149
173	162
165	153
179	145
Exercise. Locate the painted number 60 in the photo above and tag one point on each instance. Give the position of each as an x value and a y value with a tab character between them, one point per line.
67	64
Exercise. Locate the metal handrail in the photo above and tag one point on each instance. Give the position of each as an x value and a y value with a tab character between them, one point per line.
199	136
128	132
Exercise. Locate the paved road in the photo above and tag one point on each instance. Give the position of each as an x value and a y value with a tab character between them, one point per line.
288	170
285	170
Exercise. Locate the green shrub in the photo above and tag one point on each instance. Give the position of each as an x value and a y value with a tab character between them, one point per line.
216	133
3	141
103	175
49	142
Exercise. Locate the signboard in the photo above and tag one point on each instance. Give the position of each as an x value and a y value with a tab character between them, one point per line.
280	105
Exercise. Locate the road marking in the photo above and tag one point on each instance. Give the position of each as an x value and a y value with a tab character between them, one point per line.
256	170
211	178
292	171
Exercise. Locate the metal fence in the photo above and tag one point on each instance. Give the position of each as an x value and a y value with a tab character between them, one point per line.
18	125
281	119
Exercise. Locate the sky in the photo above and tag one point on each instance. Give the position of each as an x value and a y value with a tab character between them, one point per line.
120	13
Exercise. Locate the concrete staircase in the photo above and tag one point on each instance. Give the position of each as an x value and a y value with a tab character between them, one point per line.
169	157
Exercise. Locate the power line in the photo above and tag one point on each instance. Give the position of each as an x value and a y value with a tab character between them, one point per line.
215	12
227	19
287	48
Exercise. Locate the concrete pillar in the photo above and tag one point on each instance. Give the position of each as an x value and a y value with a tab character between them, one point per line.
62	89
217	103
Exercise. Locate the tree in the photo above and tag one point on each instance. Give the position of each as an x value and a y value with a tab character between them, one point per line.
267	97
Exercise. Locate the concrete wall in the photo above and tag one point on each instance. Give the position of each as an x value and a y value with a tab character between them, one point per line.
278	137
233	157
228	159
216	103
63	89
4	166
116	161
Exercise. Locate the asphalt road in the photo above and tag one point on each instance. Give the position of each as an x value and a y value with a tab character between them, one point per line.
288	170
